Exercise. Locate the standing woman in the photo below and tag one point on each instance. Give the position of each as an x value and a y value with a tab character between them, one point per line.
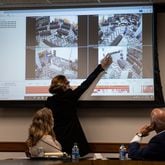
63	104
41	133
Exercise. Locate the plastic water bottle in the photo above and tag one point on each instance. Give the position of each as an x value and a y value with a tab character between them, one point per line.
122	152
40	151
75	152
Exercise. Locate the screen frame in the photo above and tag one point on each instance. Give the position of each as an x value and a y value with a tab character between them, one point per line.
159	99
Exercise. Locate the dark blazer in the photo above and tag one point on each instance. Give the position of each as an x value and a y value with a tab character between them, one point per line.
66	123
154	150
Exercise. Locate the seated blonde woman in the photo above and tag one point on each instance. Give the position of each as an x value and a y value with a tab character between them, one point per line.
41	134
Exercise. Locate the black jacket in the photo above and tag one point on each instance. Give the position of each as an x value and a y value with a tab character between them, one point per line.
66	123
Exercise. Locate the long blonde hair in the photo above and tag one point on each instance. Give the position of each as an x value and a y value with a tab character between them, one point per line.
42	124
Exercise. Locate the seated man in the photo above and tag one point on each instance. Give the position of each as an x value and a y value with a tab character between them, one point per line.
155	149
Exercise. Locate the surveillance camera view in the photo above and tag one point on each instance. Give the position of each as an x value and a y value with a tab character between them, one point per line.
123	33
127	62
57	32
56	61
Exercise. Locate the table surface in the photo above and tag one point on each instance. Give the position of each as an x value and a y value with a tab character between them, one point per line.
80	162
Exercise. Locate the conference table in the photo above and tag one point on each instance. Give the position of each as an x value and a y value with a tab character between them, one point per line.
80	162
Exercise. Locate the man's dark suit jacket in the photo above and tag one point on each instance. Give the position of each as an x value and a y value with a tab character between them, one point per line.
154	150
